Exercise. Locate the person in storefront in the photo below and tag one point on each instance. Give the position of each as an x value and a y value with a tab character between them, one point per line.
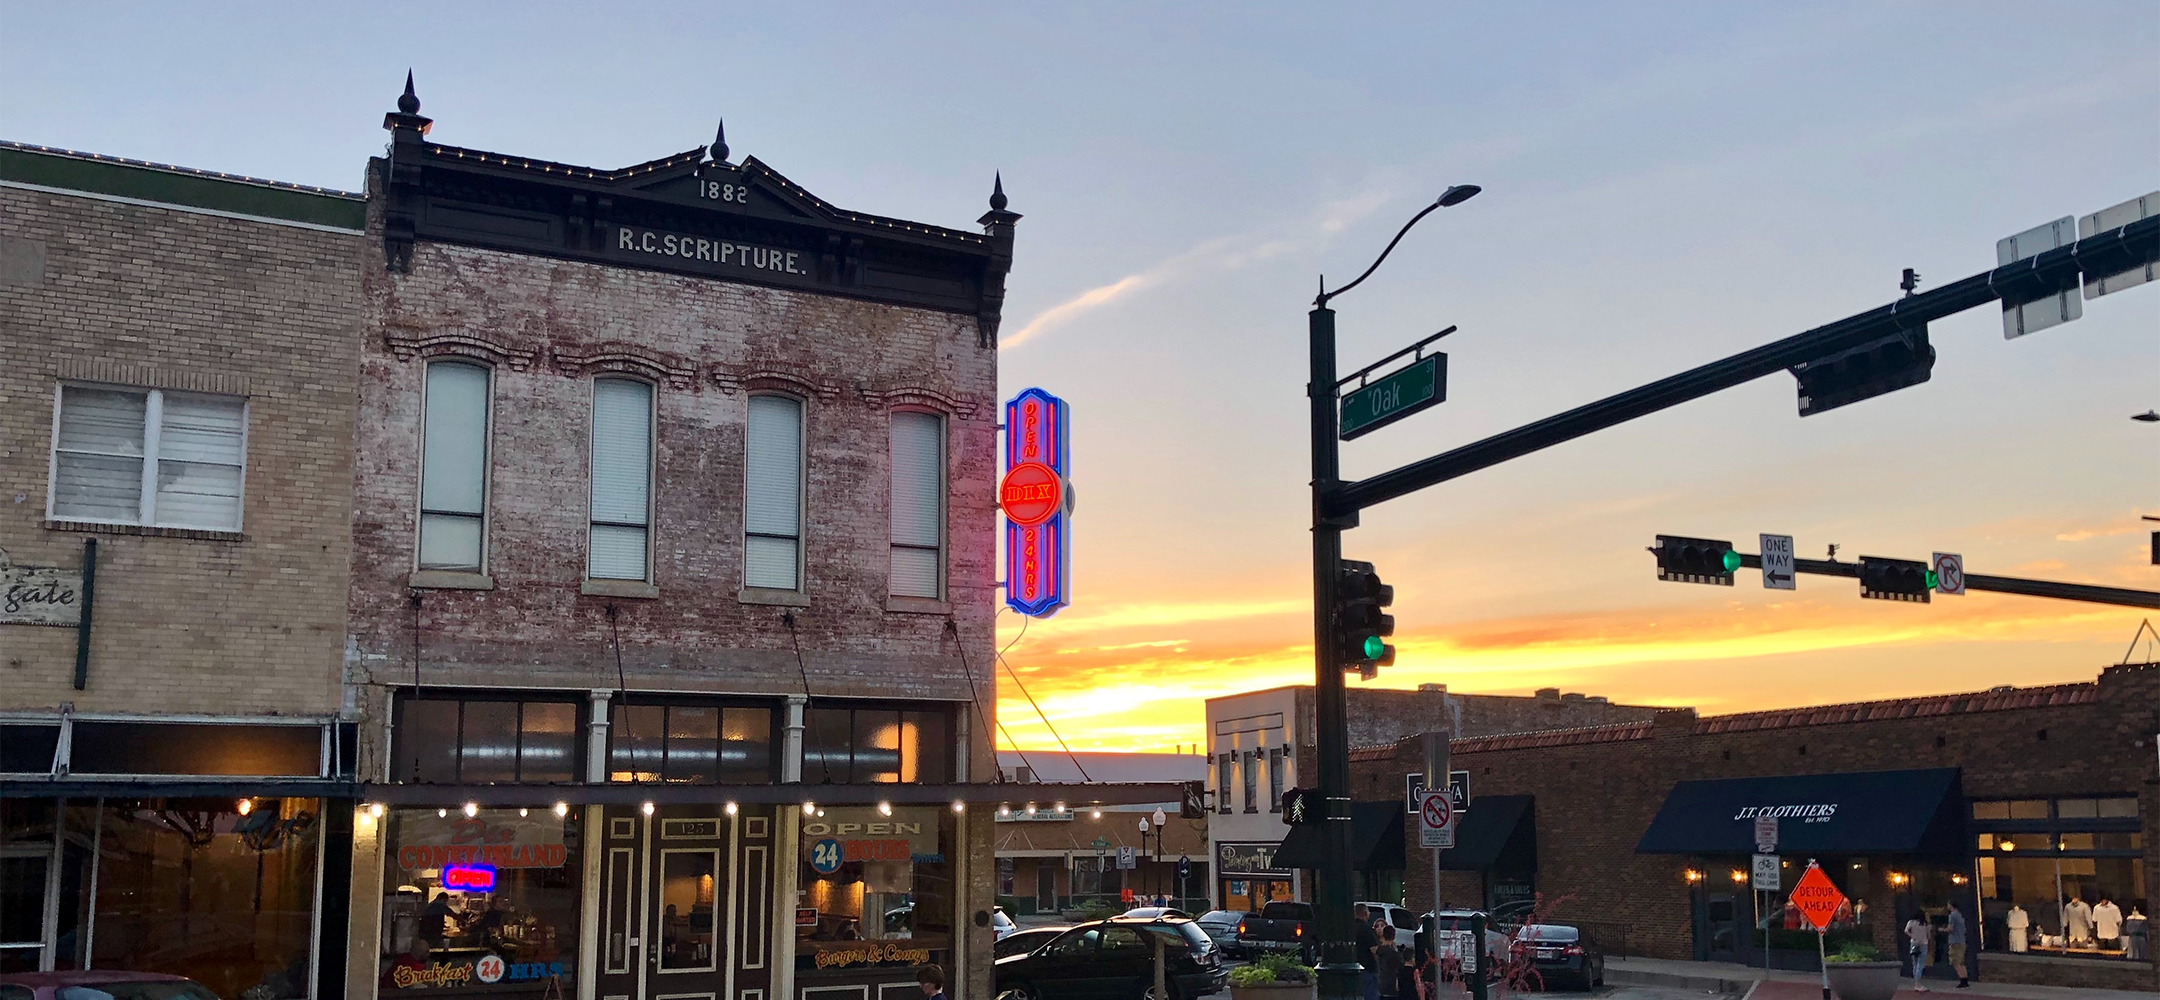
931	980
488	926
1956	945
1916	946
435	921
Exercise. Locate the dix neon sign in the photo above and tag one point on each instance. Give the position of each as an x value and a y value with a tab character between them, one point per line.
1036	497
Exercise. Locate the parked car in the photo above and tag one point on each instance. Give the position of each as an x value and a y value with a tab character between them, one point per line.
1405	925
1001	925
1279	926
1114	959
118	985
1151	912
1453	927
1026	940
1221	927
1561	955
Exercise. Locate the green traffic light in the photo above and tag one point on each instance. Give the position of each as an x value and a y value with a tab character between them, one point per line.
1374	647
1732	561
1931	579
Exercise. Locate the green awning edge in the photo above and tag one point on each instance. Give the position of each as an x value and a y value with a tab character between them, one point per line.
76	172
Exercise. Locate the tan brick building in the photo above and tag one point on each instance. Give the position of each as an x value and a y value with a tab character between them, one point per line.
178	354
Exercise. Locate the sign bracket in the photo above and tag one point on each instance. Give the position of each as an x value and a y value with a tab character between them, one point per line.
1418	348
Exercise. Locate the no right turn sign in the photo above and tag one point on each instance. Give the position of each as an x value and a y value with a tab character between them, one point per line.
1949	573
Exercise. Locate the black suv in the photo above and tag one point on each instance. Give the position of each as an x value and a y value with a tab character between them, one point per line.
1114	959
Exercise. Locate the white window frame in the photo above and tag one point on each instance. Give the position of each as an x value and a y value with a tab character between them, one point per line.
487	465
153	421
944	474
652	469
802	492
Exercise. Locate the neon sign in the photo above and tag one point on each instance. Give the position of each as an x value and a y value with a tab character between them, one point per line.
469	878
1036	497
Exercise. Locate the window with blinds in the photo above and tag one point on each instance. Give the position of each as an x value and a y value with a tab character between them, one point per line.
772	501
148	456
453	467
621	480
918	504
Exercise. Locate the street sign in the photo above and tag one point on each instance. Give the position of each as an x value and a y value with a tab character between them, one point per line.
1767	877
1127	859
1766	830
1777	563
1816	898
1949	573
1394	396
1184	867
2035	310
2101	279
1436	821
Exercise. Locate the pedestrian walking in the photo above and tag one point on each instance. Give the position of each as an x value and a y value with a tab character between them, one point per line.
1368	952
1916	946
1957	946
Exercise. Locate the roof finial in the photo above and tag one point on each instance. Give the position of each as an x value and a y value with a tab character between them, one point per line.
997	192
719	143
409	102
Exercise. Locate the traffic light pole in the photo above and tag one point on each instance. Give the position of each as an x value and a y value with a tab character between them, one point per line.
1339	969
1997	584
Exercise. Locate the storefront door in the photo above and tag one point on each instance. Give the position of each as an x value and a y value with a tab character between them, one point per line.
1045	888
663	892
24	874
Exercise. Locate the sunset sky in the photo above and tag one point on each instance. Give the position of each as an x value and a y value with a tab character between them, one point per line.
1664	185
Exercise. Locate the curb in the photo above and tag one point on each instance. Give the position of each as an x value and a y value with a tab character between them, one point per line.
1706	984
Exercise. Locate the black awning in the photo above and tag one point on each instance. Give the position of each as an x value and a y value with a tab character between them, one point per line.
1867	812
1376	840
1489	829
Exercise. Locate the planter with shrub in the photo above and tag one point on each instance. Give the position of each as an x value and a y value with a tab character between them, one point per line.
1857	972
1274	977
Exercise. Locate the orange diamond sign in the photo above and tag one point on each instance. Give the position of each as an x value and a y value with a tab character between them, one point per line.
1816	898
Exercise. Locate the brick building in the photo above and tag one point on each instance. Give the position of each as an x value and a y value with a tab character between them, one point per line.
2005	803
1260	742
673	580
1054	856
178	351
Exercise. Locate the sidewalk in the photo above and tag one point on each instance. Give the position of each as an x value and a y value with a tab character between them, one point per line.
1720	977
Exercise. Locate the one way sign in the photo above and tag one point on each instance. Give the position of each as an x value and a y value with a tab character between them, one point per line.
1777	563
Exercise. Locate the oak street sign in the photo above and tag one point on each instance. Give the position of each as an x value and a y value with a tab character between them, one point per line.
1394	396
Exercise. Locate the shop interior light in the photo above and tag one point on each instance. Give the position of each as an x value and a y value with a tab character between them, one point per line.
375	809
647	808
1899	878
245	806
1957	879
731	809
562	808
959	806
2007	845
472	809
884	808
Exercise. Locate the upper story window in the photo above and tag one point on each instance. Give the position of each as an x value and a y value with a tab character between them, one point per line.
1252	781
1274	778
1224	765
918	504
773	494
481	740
453	467
147	456
621	480
685	742
877	745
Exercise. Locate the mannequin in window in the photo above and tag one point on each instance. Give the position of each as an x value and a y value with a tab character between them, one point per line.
2016	921
2134	930
2077	922
2107	923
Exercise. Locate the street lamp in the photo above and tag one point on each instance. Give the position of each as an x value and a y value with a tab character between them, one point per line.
1339	969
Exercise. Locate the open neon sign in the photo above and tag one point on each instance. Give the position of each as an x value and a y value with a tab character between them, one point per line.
1036	497
469	878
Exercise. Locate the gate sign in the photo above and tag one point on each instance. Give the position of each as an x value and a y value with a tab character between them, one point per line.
1949	573
1816	897
1037	500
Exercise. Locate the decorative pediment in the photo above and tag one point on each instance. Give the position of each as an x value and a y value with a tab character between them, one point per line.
909	395
406	344
732	382
615	356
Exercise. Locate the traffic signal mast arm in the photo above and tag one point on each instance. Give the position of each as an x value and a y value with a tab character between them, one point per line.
2057	268
1997	584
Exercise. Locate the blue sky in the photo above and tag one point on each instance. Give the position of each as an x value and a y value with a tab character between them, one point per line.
1665	184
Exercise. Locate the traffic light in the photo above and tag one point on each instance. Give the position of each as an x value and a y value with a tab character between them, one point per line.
1871	369
1361	627
1895	579
1300	806
1695	560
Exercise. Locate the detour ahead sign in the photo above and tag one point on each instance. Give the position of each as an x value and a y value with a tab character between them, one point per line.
1816	898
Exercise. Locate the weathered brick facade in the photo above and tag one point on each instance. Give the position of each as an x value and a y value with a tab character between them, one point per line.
102	289
1597	790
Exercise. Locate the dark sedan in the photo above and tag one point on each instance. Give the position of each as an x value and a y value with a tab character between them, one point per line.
1114	959
1561	955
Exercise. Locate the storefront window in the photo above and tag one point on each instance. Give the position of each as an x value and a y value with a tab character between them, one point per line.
864	745
470	902
705	744
877	890
485	741
2071	885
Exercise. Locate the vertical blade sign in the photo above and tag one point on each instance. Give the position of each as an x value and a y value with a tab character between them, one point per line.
1037	500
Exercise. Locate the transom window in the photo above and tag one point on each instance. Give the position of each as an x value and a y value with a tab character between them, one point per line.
148	456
